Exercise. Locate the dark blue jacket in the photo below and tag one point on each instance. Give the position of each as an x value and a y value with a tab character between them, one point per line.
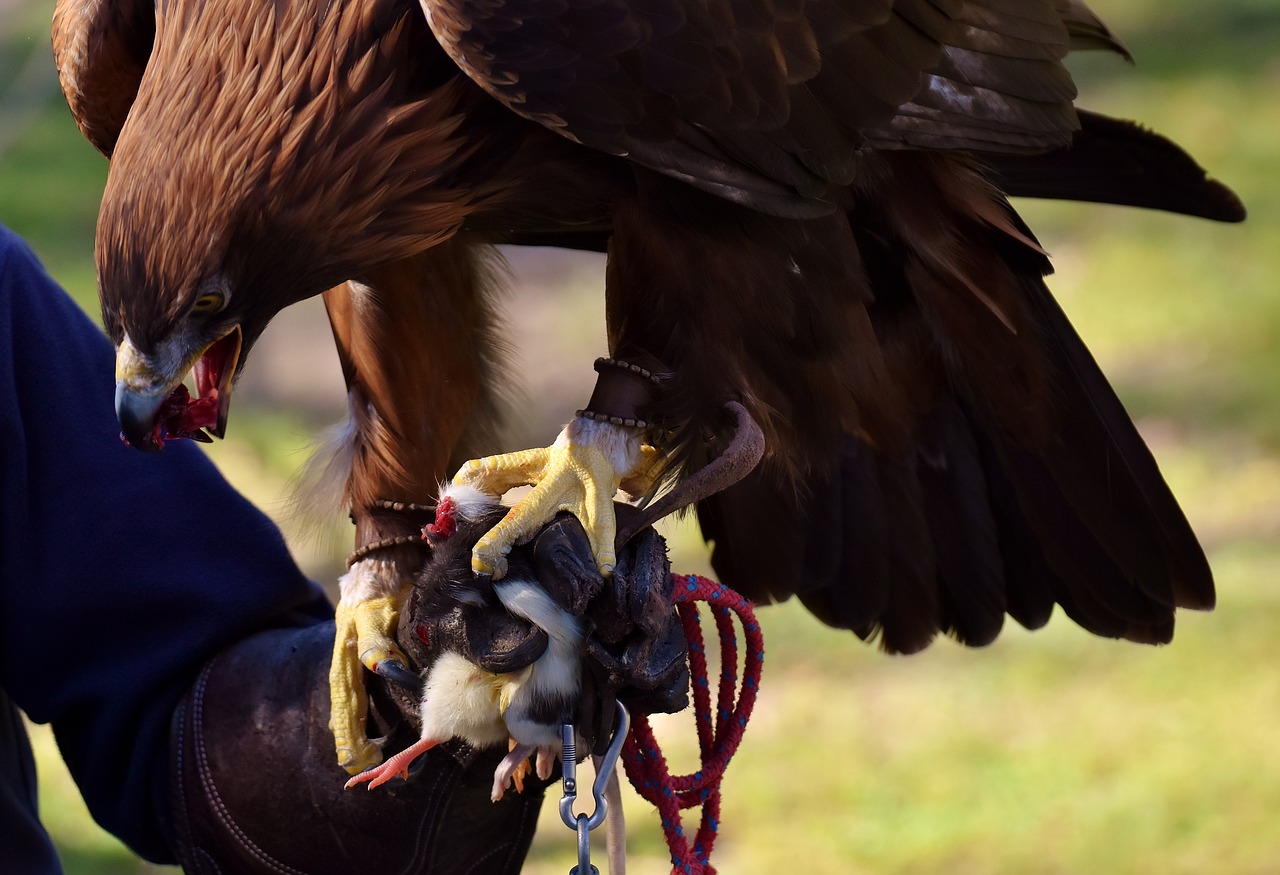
121	573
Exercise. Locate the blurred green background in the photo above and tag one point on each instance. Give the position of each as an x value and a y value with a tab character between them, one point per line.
1046	753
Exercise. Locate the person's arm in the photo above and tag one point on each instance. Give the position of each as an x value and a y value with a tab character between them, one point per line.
120	573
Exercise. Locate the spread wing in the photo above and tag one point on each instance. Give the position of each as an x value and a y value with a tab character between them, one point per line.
764	102
754	100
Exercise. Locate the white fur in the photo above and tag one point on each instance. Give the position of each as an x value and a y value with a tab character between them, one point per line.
472	503
370	578
461	701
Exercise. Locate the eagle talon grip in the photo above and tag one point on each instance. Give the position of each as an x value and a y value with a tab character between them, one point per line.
375	621
348	703
577	474
398	672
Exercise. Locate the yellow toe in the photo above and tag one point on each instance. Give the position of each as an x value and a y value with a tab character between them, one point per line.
580	473
375	622
362	640
347	701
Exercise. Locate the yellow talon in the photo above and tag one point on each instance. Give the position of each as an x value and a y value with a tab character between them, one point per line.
376	620
497	474
580	473
362	638
642	478
347	701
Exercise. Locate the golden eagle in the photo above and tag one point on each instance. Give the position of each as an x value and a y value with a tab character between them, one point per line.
804	208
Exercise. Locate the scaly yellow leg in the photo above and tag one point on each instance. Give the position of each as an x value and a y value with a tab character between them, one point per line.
348	704
362	638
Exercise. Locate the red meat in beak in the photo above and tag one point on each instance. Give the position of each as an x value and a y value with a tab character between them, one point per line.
147	425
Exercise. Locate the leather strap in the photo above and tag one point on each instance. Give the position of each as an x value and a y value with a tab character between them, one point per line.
624	394
393	528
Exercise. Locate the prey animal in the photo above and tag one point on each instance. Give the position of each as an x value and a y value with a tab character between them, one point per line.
805	208
523	708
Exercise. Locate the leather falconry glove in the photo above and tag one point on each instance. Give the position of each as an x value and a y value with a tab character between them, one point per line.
256	788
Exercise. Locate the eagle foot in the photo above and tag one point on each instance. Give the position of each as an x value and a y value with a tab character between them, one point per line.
362	639
579	473
375	622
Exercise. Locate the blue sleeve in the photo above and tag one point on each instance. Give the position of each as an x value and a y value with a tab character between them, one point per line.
121	572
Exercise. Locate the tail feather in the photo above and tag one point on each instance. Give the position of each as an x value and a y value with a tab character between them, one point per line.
1033	586
912	610
1132	507
966	538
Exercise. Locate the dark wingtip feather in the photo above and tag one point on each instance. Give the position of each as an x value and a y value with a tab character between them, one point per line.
1088	32
1119	162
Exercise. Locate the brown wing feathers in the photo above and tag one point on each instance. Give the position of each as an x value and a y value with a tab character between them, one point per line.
1088	31
1017	482
755	101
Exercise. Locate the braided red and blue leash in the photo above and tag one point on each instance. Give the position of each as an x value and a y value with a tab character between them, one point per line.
718	734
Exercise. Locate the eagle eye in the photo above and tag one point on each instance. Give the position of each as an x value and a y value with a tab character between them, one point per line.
209	303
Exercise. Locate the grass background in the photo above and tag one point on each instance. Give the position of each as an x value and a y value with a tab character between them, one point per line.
1046	753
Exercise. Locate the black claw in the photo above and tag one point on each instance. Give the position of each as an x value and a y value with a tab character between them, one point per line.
400	674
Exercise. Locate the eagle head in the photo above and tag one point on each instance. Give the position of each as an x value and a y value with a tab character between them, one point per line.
272	151
186	292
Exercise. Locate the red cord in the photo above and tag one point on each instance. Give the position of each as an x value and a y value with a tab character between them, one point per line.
718	738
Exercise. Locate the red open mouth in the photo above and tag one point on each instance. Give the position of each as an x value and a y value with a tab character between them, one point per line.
184	416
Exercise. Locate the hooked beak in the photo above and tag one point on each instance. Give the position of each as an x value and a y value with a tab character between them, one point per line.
138	412
153	405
